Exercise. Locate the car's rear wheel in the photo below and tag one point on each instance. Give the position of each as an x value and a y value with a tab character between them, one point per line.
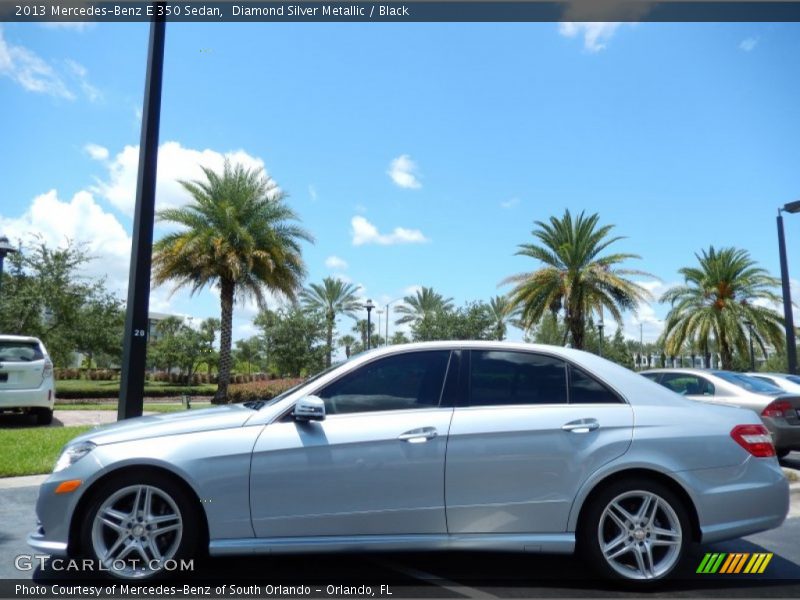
140	526
44	416
636	531
782	452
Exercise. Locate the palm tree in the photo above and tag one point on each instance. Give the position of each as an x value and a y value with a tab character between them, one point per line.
574	276
237	233
717	301
332	298
422	303
502	313
347	341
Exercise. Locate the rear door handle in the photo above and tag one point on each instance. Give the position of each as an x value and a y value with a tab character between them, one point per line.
581	426
418	436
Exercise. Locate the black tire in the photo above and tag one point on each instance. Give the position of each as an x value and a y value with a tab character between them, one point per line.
782	452
168	498
44	416
670	514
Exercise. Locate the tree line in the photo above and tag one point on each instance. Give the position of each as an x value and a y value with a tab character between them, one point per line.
238	233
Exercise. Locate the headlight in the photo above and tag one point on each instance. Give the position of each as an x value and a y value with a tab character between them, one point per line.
73	454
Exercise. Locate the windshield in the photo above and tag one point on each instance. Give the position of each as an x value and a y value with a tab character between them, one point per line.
751	384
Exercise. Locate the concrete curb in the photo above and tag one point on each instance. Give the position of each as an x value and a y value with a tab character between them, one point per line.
18	482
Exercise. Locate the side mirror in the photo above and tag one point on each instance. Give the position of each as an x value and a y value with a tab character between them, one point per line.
309	408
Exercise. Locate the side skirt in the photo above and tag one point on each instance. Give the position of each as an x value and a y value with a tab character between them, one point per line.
556	543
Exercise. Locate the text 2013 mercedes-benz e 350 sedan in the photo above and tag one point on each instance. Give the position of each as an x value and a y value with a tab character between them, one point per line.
434	446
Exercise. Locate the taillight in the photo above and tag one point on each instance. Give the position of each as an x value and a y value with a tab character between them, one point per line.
755	439
776	408
48	369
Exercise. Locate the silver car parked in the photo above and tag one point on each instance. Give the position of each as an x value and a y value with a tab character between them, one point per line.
778	408
434	446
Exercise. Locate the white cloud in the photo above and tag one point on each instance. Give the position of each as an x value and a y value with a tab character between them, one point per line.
80	220
365	232
595	35
174	163
96	151
403	172
510	203
334	262
81	75
748	44
30	71
412	290
79	26
312	192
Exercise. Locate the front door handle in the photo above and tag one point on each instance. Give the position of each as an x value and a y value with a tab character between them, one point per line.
418	436
581	426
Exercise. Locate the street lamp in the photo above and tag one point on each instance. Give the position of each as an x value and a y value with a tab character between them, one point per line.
388	304
369	306
749	324
600	326
5	248
791	350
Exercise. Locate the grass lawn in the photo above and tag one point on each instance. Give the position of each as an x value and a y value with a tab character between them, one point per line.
160	407
33	450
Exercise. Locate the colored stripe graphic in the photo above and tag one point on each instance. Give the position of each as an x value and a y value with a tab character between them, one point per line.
724	563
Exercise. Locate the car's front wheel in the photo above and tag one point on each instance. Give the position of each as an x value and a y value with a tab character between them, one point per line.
139	527
637	531
44	416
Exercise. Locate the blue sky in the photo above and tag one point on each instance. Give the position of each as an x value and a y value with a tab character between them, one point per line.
417	154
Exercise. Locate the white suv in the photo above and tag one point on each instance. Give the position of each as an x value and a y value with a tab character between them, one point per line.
26	377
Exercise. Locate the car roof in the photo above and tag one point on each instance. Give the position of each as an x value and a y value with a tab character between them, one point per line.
19	338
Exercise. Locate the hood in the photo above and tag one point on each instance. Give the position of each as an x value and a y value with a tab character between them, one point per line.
187	421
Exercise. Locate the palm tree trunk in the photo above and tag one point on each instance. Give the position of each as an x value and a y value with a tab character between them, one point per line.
226	330
330	342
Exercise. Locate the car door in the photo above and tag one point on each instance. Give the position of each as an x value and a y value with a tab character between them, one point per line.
374	465
526	434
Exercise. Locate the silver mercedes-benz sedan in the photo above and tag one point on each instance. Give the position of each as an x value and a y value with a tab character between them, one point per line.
434	446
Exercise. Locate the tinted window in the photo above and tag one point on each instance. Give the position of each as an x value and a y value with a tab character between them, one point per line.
687	384
20	351
503	378
793	378
587	390
405	381
651	376
751	384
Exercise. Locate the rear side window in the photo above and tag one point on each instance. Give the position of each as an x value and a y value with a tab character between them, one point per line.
20	351
406	381
651	376
584	389
509	378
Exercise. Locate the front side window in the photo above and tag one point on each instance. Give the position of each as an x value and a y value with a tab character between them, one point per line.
509	378
402	382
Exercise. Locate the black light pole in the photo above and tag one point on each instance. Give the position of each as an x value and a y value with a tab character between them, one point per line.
5	249
369	306
600	326
752	354
134	350
791	349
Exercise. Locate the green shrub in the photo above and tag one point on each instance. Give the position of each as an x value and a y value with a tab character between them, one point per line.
259	390
87	390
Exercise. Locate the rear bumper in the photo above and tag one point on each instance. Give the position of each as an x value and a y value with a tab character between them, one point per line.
735	501
784	435
41	397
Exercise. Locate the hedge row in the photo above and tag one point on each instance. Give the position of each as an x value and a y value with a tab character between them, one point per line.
158	377
260	390
150	391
